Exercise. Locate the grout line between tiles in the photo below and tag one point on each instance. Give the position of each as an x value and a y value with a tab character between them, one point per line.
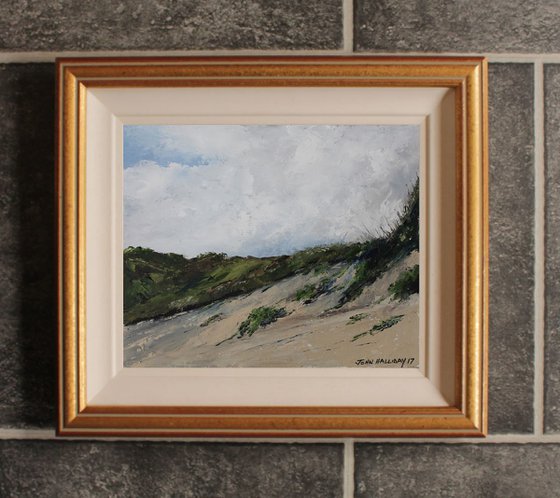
50	435
348	26
348	471
522	58
539	296
27	57
7	57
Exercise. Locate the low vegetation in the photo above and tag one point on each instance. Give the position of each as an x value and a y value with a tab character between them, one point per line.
356	318
259	318
380	253
214	318
407	283
311	292
379	327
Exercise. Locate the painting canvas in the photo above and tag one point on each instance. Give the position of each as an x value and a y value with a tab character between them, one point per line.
271	245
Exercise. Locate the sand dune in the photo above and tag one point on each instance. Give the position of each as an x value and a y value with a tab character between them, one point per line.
310	335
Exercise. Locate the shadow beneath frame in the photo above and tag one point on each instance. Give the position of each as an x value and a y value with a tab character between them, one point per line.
33	91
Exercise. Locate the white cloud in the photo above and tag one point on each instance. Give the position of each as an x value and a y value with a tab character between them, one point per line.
269	189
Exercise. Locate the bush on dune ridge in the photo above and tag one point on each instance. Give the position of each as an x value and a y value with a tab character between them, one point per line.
380	253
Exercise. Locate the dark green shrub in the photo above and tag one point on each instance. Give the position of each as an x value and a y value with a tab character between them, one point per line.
259	317
214	318
407	283
380	253
382	325
356	318
305	293
311	292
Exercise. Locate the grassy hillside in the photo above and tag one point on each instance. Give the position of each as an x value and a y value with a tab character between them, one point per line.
157	285
379	253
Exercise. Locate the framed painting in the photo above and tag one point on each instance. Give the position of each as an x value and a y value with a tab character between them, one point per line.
272	246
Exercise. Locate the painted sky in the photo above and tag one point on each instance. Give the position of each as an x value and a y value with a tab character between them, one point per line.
263	190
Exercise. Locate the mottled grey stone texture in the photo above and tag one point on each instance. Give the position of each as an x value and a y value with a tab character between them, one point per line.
457	26
168	24
552	247
27	238
432	470
511	248
72	469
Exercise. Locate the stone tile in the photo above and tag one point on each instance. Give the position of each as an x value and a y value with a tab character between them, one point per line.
552	245
457	26
10	283
8	211
167	24
511	248
28	366
83	469
27	256
478	470
11	388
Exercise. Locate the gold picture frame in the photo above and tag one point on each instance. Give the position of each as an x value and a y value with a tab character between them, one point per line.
463	365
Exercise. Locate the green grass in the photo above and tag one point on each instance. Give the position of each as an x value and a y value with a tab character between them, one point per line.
311	292
158	285
382	325
356	318
407	283
380	253
214	318
306	293
259	318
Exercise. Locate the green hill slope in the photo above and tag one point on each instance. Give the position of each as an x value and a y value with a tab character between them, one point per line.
158	285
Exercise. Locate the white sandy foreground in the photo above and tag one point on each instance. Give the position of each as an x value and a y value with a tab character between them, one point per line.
311	335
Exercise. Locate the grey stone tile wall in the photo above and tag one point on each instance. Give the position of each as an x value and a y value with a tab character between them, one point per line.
27	246
27	259
511	179
457	26
72	469
552	247
168	24
431	470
